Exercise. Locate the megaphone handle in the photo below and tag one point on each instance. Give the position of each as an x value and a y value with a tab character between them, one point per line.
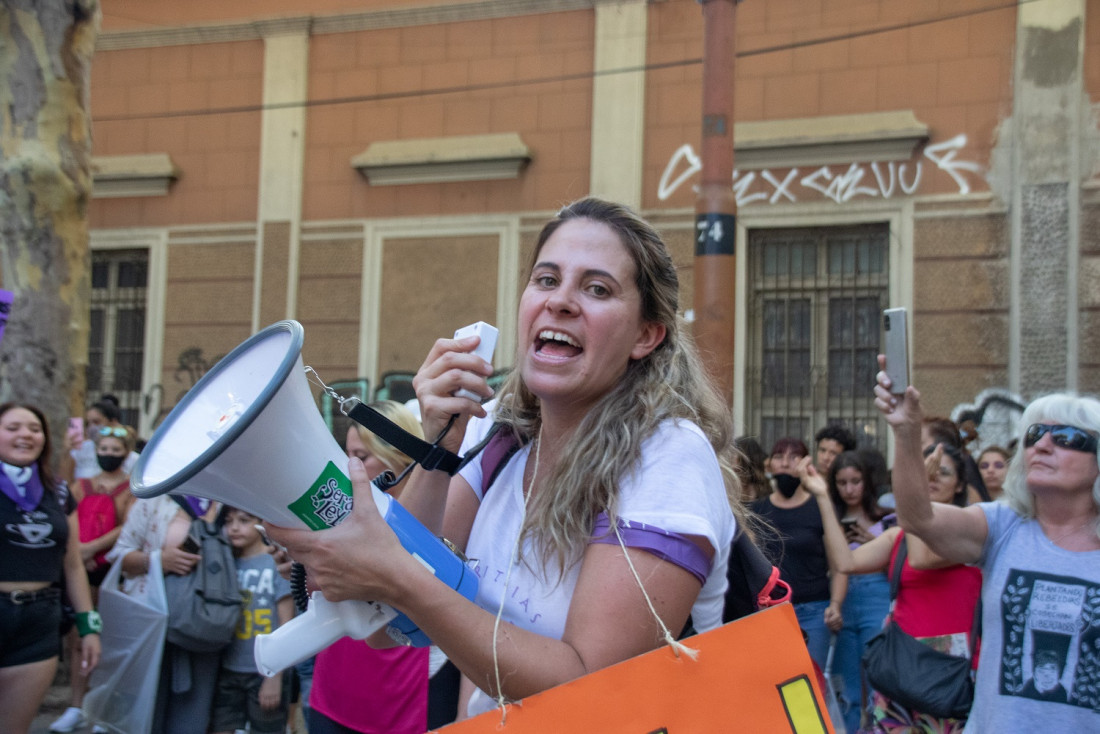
322	624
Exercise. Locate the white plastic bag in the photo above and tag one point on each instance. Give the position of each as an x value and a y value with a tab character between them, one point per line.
124	684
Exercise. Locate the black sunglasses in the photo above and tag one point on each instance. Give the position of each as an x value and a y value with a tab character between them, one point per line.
1066	437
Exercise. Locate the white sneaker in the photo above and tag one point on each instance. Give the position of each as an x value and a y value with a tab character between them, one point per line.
97	729
71	720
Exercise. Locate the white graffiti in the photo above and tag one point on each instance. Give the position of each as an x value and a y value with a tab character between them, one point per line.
874	180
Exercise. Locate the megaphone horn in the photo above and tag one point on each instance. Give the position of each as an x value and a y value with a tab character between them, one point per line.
249	434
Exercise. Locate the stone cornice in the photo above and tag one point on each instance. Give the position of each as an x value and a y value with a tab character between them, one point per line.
337	23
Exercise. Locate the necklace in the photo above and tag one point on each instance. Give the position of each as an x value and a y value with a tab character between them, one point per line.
1072	531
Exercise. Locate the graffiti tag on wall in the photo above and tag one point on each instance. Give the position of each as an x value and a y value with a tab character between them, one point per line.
837	183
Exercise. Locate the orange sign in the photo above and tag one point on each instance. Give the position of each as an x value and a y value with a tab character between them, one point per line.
751	675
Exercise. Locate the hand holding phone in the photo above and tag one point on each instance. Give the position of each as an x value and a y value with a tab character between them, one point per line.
190	544
896	350
75	433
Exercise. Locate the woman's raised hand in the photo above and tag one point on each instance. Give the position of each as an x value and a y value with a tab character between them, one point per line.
449	367
898	409
812	481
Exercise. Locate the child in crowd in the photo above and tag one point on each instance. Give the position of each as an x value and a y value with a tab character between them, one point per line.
242	695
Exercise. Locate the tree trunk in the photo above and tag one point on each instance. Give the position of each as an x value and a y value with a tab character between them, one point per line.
46	50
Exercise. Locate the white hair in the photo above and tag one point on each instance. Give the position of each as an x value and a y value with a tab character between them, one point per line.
1062	408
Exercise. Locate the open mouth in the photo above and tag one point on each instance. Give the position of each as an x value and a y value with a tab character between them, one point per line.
556	344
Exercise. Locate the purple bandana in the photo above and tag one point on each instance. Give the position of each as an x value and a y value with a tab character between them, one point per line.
198	505
22	484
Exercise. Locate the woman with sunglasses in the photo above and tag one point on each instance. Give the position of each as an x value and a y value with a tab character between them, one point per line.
1040	556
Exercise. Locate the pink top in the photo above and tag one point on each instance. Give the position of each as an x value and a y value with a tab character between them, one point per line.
937	601
372	691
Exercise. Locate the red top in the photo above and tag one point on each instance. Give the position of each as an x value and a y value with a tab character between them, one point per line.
937	601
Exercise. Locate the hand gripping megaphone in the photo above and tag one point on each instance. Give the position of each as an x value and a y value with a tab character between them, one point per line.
249	434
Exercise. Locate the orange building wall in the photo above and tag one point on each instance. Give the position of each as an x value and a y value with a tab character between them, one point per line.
955	74
155	100
397	76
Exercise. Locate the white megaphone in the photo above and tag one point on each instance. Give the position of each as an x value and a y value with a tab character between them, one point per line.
249	434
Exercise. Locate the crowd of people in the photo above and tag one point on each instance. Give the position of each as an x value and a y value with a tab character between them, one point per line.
582	562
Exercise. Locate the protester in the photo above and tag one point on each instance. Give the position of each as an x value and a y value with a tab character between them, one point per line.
610	525
993	464
242	696
937	430
102	504
750	469
38	547
829	443
357	688
853	497
935	604
185	688
79	459
796	544
1040	555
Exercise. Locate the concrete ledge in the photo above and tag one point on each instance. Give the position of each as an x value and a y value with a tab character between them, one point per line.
820	141
436	160
116	176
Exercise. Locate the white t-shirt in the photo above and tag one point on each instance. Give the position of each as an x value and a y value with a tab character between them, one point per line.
678	488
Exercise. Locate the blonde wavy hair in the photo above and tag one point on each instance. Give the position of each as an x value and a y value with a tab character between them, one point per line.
669	382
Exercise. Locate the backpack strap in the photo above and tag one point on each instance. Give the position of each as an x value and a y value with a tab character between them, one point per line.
122	487
499	447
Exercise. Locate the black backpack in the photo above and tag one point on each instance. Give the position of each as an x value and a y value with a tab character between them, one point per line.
204	607
754	582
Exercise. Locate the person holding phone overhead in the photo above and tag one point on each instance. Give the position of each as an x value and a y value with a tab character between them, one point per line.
1039	551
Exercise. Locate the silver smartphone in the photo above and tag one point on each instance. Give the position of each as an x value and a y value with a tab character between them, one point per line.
895	322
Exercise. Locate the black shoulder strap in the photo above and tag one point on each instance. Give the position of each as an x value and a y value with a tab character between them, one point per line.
899	560
427	455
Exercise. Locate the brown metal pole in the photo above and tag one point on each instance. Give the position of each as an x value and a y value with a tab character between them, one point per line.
716	205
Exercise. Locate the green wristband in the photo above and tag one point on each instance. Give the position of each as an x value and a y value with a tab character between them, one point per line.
89	623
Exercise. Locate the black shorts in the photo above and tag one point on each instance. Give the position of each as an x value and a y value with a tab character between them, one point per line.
30	631
237	701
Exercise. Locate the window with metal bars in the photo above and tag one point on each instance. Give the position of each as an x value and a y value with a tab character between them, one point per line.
814	310
116	344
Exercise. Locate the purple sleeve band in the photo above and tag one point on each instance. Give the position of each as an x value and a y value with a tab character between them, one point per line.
671	547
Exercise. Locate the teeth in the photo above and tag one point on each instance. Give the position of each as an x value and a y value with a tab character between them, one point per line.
557	336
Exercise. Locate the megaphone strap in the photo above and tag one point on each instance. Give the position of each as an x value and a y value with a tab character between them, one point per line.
430	456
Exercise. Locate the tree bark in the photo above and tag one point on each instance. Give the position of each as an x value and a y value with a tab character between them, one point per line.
46	49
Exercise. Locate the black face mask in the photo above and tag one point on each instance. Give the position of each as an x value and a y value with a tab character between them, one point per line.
109	463
787	484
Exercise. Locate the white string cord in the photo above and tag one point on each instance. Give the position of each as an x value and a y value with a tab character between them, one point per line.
677	646
501	702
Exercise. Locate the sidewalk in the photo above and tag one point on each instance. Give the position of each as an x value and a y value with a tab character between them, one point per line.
57	700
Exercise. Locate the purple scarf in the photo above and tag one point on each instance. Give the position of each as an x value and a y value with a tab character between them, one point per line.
198	505
22	484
